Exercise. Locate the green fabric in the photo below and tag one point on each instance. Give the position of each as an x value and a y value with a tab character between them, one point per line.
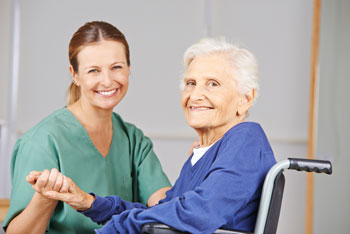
130	170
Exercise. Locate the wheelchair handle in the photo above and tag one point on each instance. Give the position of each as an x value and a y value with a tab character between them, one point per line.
311	165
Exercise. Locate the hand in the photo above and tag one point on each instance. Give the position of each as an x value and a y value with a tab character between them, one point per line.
75	197
54	185
195	144
45	181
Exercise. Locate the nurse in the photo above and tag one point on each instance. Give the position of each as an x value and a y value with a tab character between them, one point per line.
85	141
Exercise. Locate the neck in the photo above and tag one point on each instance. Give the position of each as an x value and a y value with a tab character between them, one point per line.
91	118
208	136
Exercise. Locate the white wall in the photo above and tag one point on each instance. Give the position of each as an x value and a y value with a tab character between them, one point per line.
332	193
278	32
5	32
5	19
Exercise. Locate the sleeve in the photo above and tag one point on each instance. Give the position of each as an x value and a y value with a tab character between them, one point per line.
27	156
233	181
103	208
147	168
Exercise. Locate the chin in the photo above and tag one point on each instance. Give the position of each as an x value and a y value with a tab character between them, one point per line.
197	125
106	106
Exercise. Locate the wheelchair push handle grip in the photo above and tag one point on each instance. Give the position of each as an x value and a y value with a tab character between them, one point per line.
311	165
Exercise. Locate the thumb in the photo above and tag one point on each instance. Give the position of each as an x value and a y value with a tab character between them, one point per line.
57	196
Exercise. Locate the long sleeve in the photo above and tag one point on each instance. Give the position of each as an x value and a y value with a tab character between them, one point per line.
228	195
103	208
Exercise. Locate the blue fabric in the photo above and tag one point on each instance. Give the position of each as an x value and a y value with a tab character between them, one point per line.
221	190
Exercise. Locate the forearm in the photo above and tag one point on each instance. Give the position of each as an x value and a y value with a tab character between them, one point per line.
103	208
34	218
157	196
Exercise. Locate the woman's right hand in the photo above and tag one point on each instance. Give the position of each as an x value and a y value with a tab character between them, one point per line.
46	180
54	185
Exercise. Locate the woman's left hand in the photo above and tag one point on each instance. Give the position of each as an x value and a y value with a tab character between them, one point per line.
63	189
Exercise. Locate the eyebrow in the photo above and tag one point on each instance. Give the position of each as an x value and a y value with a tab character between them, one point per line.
206	77
95	66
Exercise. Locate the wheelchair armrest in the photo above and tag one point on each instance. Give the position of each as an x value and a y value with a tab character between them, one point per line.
158	228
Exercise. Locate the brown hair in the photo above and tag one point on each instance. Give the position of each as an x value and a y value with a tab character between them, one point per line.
89	33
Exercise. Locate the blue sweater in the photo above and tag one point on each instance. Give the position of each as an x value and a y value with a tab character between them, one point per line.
222	190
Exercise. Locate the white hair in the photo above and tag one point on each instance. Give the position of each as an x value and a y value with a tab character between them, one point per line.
245	67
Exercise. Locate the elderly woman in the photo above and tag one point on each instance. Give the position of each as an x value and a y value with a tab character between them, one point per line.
220	184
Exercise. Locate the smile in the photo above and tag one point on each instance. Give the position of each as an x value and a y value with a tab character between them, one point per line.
107	93
199	108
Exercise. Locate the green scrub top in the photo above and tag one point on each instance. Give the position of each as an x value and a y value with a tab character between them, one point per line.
130	169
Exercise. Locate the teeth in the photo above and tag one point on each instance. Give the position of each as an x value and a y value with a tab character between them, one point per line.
200	108
107	93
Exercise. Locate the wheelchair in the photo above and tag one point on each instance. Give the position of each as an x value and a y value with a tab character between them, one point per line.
271	197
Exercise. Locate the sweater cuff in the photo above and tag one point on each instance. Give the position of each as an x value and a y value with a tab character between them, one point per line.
99	210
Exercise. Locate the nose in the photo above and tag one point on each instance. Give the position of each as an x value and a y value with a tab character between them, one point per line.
106	79
198	93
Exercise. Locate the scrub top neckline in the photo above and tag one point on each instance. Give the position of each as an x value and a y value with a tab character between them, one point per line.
87	137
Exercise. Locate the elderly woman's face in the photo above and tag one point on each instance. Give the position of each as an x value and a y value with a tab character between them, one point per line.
210	98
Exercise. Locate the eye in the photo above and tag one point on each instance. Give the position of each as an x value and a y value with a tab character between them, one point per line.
93	71
116	67
190	83
213	83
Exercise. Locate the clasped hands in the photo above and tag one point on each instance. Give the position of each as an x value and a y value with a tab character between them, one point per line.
55	186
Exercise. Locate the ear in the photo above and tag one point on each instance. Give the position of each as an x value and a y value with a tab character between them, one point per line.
246	101
74	75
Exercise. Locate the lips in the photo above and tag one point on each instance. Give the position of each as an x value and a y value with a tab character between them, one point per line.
107	93
200	108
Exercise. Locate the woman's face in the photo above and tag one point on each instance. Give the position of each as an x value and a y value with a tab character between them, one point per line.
103	74
210	98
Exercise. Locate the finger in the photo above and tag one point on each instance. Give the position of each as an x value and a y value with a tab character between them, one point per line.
52	179
42	180
65	197
59	181
33	176
73	188
31	179
65	185
35	173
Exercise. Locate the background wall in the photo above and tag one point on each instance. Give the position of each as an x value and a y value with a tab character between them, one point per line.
277	32
332	193
5	32
5	23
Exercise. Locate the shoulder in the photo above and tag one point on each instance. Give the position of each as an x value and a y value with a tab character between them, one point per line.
246	128
50	123
246	140
128	128
247	133
246	144
52	126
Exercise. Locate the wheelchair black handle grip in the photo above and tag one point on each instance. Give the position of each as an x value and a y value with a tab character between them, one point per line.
310	165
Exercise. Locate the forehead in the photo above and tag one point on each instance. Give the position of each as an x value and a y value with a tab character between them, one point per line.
217	65
102	51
